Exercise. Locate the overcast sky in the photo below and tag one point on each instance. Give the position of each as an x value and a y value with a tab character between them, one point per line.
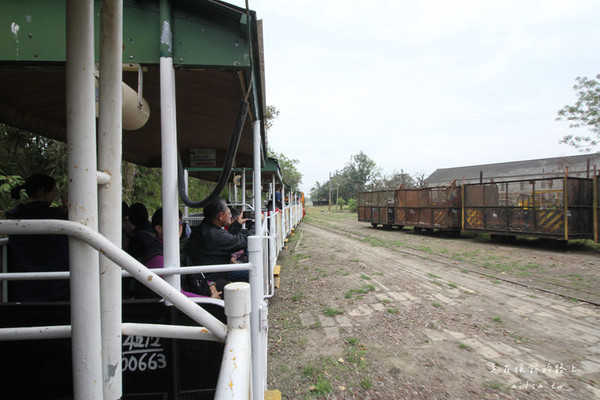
423	84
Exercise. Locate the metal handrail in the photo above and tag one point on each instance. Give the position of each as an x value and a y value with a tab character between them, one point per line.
146	276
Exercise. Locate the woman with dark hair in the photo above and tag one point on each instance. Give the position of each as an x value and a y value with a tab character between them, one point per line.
37	253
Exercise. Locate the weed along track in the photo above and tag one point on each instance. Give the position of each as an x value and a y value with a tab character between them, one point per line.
357	317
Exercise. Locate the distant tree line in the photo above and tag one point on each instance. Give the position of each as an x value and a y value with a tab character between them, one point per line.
361	173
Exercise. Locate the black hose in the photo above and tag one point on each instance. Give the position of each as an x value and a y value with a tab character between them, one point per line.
227	167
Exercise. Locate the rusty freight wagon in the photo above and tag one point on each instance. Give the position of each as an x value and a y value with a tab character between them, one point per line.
428	208
555	208
376	207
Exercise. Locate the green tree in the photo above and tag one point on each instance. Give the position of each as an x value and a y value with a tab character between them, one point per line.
291	175
359	174
23	154
397	179
289	170
420	179
319	192
270	115
585	113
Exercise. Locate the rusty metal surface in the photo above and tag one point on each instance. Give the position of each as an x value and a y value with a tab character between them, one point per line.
437	207
525	207
531	208
373	206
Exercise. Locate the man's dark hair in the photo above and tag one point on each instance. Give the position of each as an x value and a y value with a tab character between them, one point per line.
138	214
219	205
34	184
157	218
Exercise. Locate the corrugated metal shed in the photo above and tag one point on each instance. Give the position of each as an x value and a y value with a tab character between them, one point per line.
579	166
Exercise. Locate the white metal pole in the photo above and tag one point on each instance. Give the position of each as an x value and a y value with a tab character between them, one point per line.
234	376
283	213
169	148
244	186
83	200
186	178
256	183
274	191
109	160
256	285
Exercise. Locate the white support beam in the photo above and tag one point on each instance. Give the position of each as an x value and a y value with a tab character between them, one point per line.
86	340
110	190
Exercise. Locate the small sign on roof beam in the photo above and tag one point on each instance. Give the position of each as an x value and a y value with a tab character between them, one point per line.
203	158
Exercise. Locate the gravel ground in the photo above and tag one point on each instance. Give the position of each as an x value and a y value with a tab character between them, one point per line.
372	314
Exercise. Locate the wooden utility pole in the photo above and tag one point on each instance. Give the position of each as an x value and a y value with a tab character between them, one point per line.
329	192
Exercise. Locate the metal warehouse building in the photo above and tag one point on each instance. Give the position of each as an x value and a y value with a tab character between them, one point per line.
581	166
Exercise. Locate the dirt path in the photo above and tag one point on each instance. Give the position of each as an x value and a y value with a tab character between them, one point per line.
357	320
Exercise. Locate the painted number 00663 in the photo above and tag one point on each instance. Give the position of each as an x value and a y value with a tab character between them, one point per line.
143	362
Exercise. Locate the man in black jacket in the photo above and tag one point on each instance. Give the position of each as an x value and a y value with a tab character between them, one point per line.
211	244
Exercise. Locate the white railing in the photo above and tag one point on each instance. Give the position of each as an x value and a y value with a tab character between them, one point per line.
264	251
235	371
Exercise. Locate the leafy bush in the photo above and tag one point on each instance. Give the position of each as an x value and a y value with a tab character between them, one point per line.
352	205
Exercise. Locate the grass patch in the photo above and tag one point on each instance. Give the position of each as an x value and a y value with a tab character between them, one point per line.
322	387
365	277
464	346
332	312
366	384
453	285
436	304
363	290
497	319
434	276
519	338
297	297
309	371
495	385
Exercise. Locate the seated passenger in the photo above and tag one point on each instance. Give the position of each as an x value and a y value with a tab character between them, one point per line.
37	253
211	244
240	256
153	258
143	234
127	227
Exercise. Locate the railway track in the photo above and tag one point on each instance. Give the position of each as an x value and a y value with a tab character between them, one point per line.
546	286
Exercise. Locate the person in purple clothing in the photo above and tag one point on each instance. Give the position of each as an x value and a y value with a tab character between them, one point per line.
154	258
37	253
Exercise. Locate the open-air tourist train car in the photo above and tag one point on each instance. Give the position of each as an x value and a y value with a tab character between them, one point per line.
171	84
